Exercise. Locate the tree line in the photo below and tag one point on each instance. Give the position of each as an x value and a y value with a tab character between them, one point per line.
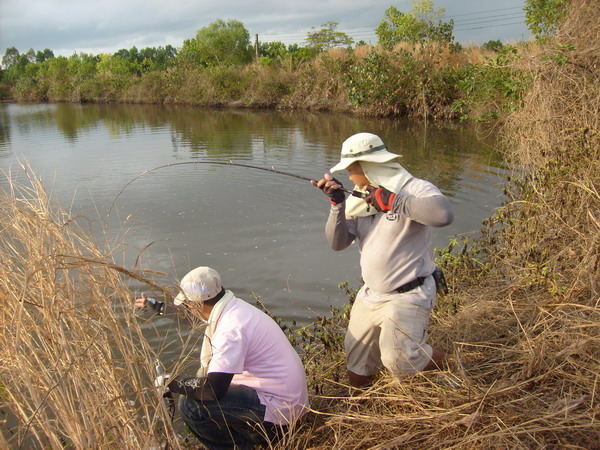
222	45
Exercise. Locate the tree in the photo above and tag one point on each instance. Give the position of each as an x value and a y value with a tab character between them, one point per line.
271	53
57	68
117	65
16	63
156	58
421	24
42	56
10	58
30	55
220	43
327	37
83	65
543	17
300	54
123	54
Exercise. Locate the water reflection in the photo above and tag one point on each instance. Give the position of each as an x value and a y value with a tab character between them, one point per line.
432	148
4	131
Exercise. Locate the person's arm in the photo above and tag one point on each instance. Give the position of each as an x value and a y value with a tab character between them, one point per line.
336	228
434	211
212	387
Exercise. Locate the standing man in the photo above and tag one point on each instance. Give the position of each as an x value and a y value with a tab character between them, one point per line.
392	223
251	381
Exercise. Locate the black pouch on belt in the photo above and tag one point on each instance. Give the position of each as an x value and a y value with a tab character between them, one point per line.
440	281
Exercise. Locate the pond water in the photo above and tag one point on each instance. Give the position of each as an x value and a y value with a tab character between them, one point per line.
262	231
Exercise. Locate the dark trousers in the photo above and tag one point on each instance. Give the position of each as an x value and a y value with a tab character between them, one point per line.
235	420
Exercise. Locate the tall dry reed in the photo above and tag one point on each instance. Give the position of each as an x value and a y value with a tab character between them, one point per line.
76	370
555	137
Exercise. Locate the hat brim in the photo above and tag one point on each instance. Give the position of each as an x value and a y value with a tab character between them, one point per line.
182	297
346	161
179	299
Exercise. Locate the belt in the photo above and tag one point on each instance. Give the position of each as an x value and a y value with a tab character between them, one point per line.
411	285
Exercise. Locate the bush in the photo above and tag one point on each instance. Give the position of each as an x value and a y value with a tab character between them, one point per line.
492	89
319	85
421	83
495	46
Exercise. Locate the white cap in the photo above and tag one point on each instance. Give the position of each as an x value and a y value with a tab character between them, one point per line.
363	147
199	285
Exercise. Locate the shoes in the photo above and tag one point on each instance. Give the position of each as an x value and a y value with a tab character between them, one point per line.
453	380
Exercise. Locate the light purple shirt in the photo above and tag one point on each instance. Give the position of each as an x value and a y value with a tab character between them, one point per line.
249	344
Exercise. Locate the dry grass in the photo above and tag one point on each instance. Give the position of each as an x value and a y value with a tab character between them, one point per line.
361	51
75	367
76	370
556	139
334	53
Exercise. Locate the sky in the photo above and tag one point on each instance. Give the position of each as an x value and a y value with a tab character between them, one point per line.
105	26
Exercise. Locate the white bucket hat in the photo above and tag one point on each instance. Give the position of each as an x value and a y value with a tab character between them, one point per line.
363	147
199	285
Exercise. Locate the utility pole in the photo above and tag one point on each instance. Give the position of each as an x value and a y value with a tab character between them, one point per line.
256	47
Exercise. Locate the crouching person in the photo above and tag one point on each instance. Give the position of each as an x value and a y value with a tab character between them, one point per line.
251	384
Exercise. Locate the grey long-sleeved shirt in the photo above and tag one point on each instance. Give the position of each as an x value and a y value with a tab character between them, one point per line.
396	246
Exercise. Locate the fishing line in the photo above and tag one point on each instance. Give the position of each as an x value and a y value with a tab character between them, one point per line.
227	163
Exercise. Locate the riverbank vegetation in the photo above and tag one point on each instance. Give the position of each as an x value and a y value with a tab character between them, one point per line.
523	310
415	69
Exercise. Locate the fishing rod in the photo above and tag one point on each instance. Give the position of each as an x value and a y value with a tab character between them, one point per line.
354	193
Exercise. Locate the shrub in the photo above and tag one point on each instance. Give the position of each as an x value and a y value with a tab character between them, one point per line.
492	89
495	46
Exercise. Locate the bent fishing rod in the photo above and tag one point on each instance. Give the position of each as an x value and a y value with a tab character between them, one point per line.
230	163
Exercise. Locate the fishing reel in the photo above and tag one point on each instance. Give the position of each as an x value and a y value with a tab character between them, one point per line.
161	380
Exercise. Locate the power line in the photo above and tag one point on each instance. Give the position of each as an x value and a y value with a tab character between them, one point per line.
491	21
284	35
474	13
508	16
368	32
487	11
491	26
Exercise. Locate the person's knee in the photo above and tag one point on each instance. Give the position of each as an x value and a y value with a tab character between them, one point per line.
398	365
184	408
407	359
189	409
